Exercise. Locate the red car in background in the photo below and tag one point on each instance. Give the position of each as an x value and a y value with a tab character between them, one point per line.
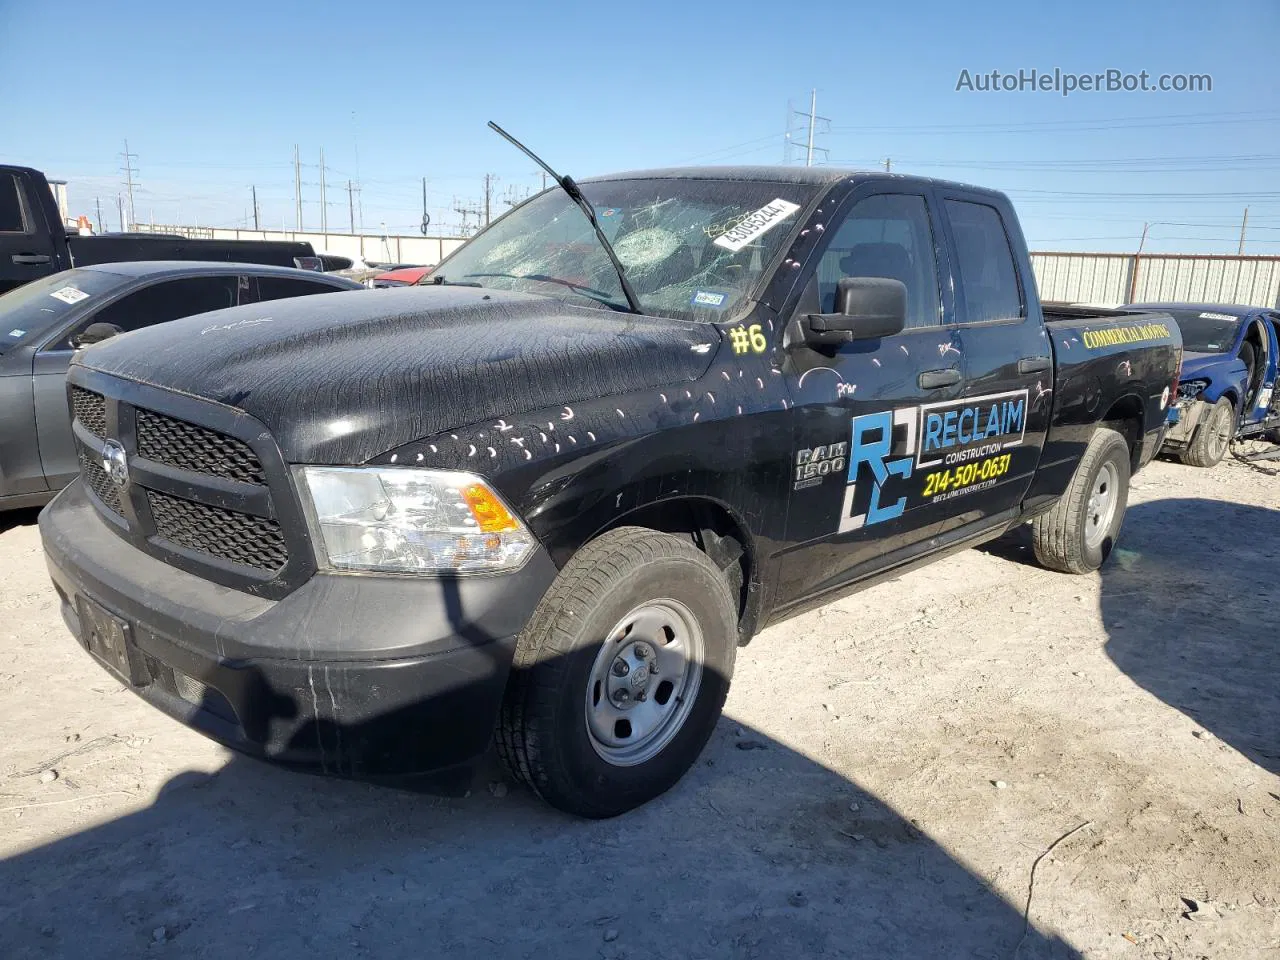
399	277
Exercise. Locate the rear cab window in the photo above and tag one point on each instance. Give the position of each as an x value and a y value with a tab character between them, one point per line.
986	275
12	219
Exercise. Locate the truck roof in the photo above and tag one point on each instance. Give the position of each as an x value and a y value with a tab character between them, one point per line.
780	173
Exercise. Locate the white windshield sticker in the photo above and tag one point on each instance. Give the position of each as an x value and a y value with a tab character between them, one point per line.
1217	316
17	333
756	224
69	295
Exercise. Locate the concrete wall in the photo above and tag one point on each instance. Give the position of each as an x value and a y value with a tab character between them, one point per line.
1115	278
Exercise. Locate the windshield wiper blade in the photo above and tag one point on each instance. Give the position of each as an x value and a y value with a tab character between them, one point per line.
438	280
600	296
567	184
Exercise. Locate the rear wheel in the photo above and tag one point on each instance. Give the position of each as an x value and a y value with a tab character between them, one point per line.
621	674
1078	534
1213	437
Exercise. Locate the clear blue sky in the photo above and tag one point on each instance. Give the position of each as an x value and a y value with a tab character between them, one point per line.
212	98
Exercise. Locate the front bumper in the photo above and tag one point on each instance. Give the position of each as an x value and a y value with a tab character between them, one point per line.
1189	415
364	676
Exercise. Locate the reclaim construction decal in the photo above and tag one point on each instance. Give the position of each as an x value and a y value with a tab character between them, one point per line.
913	455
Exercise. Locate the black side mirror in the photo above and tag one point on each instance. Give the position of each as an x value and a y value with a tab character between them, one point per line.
95	333
867	308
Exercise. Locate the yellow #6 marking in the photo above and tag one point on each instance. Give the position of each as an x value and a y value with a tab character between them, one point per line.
748	339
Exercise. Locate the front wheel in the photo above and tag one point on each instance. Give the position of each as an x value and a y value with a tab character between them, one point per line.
1213	437
621	674
1078	534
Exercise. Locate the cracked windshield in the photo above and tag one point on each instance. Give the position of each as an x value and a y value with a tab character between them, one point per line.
692	249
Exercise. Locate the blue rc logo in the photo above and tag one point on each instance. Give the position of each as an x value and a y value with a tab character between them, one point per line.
872	448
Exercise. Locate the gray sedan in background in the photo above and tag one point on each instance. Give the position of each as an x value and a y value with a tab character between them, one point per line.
44	322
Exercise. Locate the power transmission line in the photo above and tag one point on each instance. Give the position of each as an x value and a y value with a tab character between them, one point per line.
808	128
128	172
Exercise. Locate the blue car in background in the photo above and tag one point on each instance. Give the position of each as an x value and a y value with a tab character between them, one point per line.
1227	390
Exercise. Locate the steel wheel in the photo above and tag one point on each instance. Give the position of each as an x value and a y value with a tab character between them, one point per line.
1102	505
644	682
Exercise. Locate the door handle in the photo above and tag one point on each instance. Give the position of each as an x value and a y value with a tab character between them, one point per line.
937	379
30	258
1034	364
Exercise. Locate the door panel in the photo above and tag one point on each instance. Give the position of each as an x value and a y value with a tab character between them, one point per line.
856	487
1005	406
25	254
53	421
20	470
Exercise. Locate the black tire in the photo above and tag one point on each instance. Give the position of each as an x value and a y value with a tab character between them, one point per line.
1213	436
1061	536
542	732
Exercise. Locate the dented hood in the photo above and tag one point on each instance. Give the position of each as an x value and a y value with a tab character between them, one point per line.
343	377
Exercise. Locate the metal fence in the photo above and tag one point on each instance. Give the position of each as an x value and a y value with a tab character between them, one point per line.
1115	278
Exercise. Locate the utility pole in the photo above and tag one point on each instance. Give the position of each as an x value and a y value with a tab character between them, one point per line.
120	212
810	119
351	207
488	191
297	186
1243	223
98	203
128	178
254	188
888	165
426	218
813	113
324	207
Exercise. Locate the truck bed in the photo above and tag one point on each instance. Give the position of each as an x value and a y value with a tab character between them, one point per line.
86	251
1131	357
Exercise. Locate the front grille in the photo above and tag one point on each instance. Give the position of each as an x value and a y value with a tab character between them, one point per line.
90	409
180	444
205	490
99	482
255	542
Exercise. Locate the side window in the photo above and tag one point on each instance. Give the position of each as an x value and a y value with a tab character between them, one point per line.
160	302
887	235
987	276
281	288
11	220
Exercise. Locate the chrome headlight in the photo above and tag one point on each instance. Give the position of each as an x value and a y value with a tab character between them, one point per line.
1190	389
405	520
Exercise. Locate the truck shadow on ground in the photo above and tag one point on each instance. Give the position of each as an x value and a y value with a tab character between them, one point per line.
1186	601
758	852
18	518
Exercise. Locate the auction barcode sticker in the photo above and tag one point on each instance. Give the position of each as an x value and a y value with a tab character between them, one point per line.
69	295
756	224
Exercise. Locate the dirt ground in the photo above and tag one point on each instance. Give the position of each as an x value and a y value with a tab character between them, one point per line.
889	771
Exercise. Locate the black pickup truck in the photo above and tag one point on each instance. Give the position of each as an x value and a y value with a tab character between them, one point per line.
34	243
361	533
